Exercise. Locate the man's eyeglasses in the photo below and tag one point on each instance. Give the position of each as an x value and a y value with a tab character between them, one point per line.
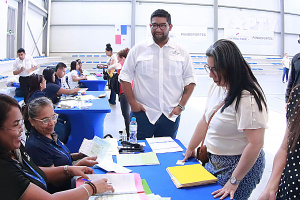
209	69
16	127
47	120
161	26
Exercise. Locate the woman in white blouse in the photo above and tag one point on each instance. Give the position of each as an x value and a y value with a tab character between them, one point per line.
235	135
73	75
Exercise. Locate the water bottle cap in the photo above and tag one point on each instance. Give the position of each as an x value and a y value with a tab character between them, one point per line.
133	119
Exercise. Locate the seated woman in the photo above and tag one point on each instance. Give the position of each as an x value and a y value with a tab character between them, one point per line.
42	145
21	178
235	135
73	75
52	90
284	180
37	84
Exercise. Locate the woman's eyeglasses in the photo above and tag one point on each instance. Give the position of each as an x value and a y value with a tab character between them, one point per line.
47	120
209	69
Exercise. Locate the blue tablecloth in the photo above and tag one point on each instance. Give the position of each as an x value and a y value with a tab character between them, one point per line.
95	85
160	182
86	123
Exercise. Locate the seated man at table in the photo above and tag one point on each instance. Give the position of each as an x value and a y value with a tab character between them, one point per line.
52	90
60	73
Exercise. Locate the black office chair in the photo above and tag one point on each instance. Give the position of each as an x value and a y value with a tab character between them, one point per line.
63	128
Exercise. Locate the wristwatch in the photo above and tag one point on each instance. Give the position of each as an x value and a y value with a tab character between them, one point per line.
233	181
182	108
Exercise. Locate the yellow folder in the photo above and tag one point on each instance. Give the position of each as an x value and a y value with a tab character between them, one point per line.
190	175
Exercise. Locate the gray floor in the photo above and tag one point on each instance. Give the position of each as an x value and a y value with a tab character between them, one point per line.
274	90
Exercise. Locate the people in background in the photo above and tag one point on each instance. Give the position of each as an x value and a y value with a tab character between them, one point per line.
235	135
21	178
294	75
286	67
125	107
163	80
111	61
52	90
37	84
284	180
80	67
73	76
43	145
24	66
60	73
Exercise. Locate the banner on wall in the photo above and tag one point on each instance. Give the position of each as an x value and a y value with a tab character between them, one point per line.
249	36
121	36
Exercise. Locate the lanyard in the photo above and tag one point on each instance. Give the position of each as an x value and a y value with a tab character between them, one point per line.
66	153
38	177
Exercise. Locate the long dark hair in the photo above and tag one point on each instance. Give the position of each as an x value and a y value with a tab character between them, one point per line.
6	104
232	68
34	84
73	65
293	118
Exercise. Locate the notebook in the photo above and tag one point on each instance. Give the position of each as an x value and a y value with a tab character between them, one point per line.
190	175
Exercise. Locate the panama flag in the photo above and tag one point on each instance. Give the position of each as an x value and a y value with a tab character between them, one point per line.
121	34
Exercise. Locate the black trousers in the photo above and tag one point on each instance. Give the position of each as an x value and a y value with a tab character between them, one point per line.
24	85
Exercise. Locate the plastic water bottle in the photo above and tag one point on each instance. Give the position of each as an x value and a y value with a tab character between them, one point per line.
133	130
79	99
123	136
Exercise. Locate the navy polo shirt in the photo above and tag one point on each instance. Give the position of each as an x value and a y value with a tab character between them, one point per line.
46	152
35	95
57	81
51	92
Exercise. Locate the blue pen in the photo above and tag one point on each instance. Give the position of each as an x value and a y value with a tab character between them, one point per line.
85	179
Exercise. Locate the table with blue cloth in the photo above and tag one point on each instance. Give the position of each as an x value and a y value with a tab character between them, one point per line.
160	182
86	123
95	85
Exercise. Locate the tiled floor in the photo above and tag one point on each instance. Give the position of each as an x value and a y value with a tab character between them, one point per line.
274	90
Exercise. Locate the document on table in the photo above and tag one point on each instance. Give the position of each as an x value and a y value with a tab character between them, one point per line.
122	183
110	143
91	148
163	145
149	158
117	197
111	166
91	78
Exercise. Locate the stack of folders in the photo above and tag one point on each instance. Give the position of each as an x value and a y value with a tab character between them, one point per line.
190	175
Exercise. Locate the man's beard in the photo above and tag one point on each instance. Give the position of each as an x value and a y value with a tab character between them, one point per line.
160	39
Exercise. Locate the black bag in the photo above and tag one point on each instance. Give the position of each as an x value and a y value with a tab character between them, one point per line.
114	83
63	128
105	74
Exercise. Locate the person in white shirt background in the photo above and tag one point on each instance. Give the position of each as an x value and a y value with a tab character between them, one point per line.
163	80
24	66
286	67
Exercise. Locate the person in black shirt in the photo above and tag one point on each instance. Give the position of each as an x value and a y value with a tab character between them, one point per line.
37	84
22	179
294	78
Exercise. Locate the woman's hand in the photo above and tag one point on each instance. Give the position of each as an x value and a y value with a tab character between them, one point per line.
267	195
228	189
102	186
79	171
87	161
188	153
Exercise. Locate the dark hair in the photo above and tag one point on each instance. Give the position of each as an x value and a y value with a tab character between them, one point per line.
123	53
21	50
6	104
60	65
48	75
231	66
293	118
73	65
161	13
108	47
35	81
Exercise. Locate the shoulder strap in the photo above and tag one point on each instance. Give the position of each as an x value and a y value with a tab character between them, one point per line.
220	106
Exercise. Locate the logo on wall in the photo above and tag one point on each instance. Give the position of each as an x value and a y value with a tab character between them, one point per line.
121	36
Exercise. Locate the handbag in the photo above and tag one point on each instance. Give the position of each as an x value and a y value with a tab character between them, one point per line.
202	150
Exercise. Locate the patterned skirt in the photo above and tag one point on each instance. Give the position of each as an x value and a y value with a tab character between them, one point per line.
223	166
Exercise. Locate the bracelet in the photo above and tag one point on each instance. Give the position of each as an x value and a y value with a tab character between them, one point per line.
66	170
86	190
182	108
93	186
